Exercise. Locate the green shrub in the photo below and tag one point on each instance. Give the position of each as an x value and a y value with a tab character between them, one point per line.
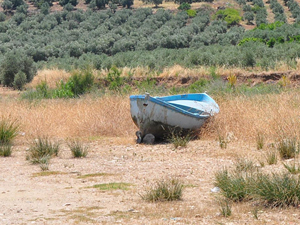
164	190
233	186
19	80
2	16
230	15
114	78
192	13
81	83
42	150
184	6
278	190
8	130
16	63
78	149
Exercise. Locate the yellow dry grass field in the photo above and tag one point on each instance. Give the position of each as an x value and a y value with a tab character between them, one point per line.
67	193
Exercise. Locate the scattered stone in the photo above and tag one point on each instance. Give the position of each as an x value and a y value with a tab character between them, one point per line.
149	139
215	190
139	137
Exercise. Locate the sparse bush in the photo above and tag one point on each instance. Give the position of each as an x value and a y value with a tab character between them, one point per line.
5	150
114	78
284	81
278	190
78	149
232	79
225	207
244	165
288	148
44	163
178	139
292	168
8	130
222	141
42	150
271	157
164	190
233	186
260	141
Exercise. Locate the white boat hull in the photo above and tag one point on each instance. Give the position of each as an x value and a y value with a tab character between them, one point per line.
159	118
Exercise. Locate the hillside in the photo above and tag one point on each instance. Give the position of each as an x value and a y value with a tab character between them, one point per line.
217	34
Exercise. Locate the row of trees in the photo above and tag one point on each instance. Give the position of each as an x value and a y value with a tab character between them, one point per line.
44	5
141	38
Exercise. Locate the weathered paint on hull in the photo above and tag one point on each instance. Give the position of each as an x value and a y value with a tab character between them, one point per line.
158	120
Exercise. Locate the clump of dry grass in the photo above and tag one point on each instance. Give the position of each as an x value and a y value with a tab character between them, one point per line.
164	190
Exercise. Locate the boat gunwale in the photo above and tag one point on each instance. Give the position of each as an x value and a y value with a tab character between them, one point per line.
171	107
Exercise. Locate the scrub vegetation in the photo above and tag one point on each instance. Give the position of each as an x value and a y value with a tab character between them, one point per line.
67	75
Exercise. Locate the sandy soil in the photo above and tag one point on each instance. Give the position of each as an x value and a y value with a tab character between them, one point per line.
65	195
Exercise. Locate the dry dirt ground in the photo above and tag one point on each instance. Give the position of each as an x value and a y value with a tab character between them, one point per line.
65	194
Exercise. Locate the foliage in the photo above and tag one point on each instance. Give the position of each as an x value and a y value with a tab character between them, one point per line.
232	79
114	78
78	84
16	63
260	141
127	3
155	2
275	190
5	150
234	186
292	168
78	149
230	15
184	6
20	80
249	16
179	139
8	130
41	150
271	157
278	190
65	2
164	190
11	4
192	13
99	39
225	207
288	148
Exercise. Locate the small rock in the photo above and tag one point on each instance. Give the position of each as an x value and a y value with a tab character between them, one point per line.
215	190
149	139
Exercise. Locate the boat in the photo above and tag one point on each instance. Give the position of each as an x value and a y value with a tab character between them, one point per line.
159	116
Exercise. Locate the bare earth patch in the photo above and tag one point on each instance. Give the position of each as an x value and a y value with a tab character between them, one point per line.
65	194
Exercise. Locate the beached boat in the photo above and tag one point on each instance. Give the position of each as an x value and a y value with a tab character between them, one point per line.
161	115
